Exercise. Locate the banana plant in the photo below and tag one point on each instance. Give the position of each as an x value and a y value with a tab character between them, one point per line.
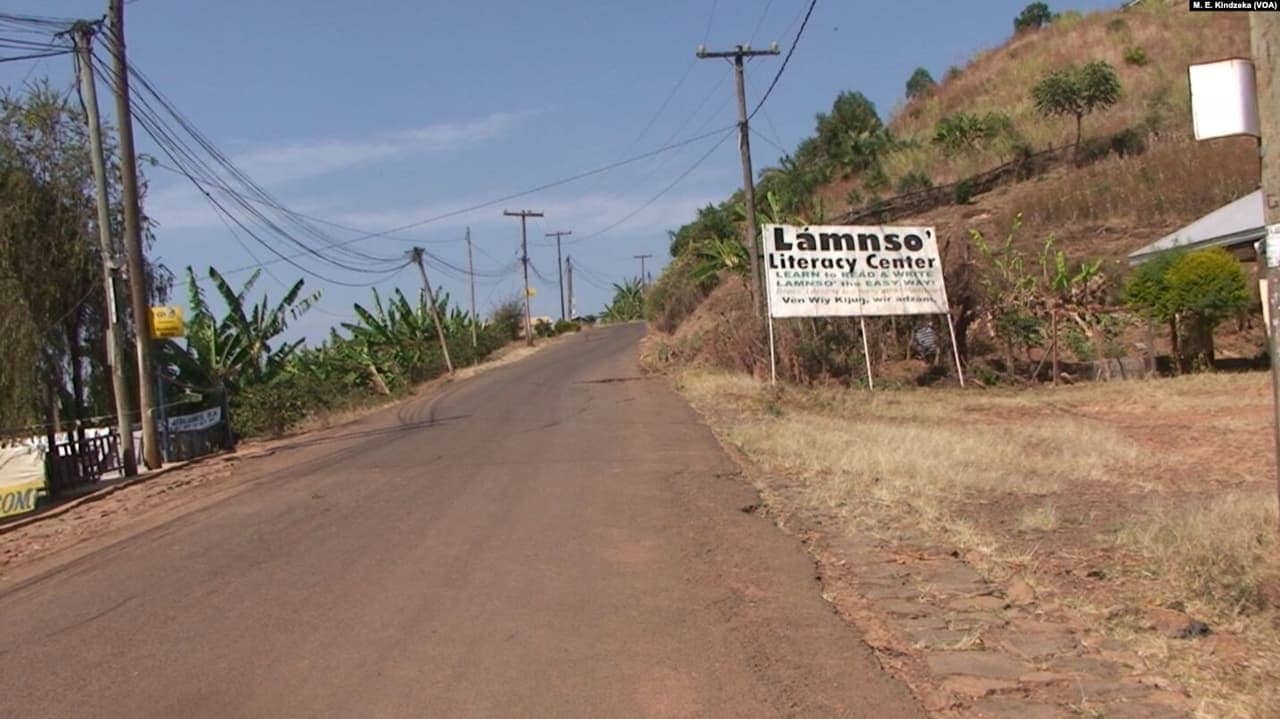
240	348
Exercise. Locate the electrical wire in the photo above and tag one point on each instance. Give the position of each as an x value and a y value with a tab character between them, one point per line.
781	69
760	21
680	178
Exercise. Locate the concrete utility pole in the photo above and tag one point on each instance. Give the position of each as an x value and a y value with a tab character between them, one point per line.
416	254
560	266
524	216
151	455
573	312
739	54
644	281
1265	34
82	34
471	273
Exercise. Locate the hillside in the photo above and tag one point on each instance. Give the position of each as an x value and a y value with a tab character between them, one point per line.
1110	206
1136	175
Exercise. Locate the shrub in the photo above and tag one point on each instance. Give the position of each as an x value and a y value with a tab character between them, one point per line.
964	192
1136	56
1117	25
1194	291
920	83
914	181
271	409
953	72
509	316
1033	17
563	326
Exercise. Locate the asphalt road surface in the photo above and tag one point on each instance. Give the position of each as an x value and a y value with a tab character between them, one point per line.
560	537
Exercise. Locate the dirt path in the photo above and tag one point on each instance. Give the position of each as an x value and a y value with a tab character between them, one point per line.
558	537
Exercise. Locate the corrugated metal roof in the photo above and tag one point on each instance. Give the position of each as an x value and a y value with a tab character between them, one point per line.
1234	223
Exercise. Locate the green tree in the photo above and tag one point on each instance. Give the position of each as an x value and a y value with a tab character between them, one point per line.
1033	17
851	115
240	348
627	304
1077	92
920	83
1191	291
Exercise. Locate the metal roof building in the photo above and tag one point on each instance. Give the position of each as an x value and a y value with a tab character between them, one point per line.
1237	226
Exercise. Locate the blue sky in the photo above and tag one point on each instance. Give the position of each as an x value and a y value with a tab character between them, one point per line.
380	114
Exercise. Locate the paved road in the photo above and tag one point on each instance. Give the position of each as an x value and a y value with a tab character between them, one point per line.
556	538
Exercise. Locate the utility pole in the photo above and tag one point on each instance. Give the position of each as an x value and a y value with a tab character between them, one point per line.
1264	30
560	267
644	282
471	273
151	455
82	34
573	312
416	254
739	54
524	216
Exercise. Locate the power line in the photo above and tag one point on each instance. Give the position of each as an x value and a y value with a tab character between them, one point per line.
710	19
782	68
680	178
760	21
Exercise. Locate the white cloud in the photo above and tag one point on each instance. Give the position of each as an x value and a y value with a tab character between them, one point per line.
180	206
311	158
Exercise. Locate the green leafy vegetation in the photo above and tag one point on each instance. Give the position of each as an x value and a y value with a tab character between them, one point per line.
920	83
1033	17
627	304
1077	92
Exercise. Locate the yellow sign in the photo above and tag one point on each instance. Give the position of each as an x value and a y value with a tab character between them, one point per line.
166	323
19	498
531	292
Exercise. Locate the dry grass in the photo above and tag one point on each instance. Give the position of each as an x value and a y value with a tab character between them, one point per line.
1000	79
1164	486
1218	554
1117	204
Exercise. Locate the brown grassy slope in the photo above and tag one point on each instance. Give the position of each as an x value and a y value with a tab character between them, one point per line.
1112	207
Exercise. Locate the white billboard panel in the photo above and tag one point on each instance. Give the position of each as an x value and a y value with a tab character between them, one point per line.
1224	99
852	271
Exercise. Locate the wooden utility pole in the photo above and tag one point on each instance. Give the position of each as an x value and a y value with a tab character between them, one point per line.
524	216
1265	34
644	282
137	263
739	54
560	267
471	274
416	254
568	269
82	34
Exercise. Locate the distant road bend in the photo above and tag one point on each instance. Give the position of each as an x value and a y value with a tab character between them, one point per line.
559	537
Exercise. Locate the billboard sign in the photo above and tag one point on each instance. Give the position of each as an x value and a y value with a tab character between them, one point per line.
1224	99
853	271
166	323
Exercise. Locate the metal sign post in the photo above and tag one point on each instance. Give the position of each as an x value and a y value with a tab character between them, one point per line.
866	352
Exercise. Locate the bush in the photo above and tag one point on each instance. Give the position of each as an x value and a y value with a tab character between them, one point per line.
563	326
271	409
1136	56
964	192
1117	25
509	316
914	181
1033	17
920	83
1127	142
